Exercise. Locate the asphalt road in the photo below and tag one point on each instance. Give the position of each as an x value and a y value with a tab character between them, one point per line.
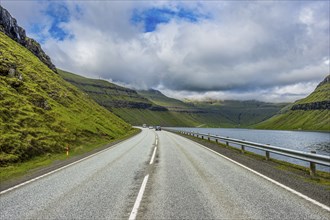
155	175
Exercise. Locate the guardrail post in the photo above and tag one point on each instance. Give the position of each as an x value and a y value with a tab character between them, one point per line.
242	149
216	140
267	155
208	137
312	166
202	137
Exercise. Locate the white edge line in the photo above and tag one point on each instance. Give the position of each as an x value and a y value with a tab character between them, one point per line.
156	142
139	199
153	156
269	179
59	169
273	181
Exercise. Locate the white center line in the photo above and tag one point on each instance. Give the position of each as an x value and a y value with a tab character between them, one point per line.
153	156
139	198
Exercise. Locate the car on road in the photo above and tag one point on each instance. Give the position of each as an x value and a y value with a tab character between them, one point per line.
158	128
151	127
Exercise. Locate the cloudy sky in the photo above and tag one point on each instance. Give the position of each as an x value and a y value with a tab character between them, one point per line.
275	51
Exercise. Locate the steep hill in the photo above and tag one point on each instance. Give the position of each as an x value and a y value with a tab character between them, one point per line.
310	113
153	107
108	94
41	113
172	104
242	113
228	113
8	25
127	103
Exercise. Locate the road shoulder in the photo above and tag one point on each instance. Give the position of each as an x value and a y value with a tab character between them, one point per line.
4	185
294	178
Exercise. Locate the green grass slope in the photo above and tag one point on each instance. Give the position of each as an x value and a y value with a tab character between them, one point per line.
107	94
153	107
215	113
170	103
240	113
127	103
310	113
40	113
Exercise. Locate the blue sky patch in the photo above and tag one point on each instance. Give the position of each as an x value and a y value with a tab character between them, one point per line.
59	13
154	16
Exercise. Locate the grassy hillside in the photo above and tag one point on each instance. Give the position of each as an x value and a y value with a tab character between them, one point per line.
127	103
214	113
310	113
241	113
153	107
170	103
41	114
107	94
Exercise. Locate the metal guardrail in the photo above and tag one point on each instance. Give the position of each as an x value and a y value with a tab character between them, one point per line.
311	157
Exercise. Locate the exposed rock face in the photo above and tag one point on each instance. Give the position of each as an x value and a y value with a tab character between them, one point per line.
325	81
9	26
324	105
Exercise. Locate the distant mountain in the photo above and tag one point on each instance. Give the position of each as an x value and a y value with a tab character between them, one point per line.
41	114
170	103
126	103
242	113
215	113
153	107
110	95
310	113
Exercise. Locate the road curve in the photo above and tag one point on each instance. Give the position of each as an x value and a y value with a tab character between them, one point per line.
155	175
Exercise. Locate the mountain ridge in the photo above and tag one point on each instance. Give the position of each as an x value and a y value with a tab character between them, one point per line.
169	111
309	113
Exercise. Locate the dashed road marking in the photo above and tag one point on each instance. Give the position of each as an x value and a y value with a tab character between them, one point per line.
153	156
139	199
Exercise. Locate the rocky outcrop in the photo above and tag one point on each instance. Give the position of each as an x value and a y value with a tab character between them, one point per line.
325	81
8	25
321	105
324	105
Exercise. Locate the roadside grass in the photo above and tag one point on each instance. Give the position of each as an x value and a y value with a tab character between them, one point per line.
321	177
17	170
40	112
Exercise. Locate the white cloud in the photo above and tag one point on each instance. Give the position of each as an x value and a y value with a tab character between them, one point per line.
241	50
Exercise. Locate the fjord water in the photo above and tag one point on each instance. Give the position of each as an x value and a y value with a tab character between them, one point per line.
297	140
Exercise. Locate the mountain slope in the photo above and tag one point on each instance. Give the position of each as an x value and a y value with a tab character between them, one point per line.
108	94
41	113
172	104
8	25
310	113
213	113
127	103
153	107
